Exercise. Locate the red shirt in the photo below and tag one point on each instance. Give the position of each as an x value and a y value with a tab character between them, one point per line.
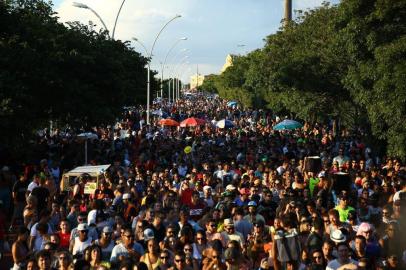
64	239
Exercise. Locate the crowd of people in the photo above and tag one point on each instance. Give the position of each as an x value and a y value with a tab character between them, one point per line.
204	197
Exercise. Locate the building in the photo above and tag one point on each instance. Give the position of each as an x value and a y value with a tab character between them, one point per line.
196	80
228	63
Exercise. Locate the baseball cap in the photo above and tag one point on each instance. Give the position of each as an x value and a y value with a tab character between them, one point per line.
83	227
148	234
228	222
252	203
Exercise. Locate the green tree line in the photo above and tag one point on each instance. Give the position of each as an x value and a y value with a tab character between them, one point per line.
70	74
343	62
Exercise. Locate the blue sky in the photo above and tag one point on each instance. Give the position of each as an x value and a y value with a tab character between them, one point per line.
214	28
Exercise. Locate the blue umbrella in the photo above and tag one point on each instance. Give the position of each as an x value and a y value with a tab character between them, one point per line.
160	113
232	103
225	124
287	125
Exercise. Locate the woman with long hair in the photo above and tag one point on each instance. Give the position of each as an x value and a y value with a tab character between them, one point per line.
151	257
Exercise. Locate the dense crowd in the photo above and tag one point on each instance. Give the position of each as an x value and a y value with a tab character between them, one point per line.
204	197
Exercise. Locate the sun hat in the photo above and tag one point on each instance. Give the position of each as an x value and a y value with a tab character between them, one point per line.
338	237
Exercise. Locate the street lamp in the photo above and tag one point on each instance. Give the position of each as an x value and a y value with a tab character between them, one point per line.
179	82
166	57
84	6
149	56
172	75
181	64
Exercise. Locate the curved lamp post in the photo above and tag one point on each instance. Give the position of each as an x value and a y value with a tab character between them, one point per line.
149	55
84	6
166	57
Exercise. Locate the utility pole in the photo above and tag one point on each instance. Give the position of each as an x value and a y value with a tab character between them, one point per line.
288	12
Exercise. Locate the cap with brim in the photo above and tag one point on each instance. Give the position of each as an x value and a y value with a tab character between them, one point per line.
148	234
230	187
83	227
228	222
338	237
252	203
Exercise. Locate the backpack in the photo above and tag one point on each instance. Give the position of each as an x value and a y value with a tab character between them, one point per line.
288	245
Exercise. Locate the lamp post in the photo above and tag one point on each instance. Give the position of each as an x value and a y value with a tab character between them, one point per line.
174	69
149	55
179	82
166	57
84	6
174	75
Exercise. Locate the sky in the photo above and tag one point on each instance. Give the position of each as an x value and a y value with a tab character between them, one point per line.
213	28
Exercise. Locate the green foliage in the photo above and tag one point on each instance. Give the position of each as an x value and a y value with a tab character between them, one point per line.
343	62
209	84
72	74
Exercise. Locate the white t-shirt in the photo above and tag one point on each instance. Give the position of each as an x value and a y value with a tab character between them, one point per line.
79	246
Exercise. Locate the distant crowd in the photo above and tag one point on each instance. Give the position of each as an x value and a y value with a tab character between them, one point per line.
244	196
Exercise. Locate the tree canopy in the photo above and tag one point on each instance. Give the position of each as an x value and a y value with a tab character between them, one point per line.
66	73
343	62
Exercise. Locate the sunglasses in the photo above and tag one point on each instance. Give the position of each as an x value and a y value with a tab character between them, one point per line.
164	257
187	249
179	260
317	257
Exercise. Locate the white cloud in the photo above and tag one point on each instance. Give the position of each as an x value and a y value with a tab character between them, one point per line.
214	28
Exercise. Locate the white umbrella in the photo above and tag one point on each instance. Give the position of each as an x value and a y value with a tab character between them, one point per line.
87	136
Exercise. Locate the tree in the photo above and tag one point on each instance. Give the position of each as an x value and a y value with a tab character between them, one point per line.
70	74
372	35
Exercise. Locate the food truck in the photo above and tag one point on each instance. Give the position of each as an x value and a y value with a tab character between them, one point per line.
92	174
